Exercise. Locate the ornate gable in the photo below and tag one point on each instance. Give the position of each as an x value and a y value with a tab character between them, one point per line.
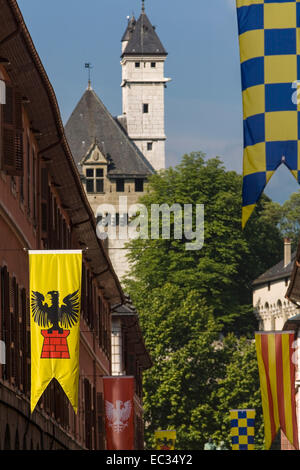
94	156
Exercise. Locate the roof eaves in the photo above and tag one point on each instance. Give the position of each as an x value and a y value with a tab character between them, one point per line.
60	142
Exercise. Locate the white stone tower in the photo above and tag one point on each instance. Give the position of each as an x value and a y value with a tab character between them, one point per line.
143	88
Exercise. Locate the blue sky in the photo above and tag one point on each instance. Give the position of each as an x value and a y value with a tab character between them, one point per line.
203	100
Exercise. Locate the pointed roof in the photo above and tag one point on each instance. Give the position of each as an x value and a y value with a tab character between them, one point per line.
277	272
144	40
129	30
91	121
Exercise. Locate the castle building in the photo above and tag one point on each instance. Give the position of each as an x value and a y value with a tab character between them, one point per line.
272	308
143	87
116	156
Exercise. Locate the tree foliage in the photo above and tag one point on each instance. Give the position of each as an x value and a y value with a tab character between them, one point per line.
286	216
189	300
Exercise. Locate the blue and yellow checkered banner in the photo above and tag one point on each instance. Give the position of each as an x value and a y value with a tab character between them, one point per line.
242	429
269	37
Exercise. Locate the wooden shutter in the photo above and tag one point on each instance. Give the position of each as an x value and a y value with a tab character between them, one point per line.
19	156
12	133
100	420
44	201
88	414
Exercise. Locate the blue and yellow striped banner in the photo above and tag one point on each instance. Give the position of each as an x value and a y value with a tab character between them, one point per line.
269	37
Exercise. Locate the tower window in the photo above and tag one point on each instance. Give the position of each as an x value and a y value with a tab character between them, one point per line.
153	65
149	145
139	185
137	65
145	108
120	185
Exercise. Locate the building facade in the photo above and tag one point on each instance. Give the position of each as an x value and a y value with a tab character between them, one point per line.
44	206
271	307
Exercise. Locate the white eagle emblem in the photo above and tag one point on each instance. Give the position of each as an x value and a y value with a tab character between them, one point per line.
118	416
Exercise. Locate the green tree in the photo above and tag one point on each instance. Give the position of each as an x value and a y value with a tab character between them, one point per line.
224	269
239	388
187	299
286	216
182	338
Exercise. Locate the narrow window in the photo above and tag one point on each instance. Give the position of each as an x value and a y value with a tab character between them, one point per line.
139	185
149	145
90	180
120	185
99	180
28	177
137	65
145	108
153	65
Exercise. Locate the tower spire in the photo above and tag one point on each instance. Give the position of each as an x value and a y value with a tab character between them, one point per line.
143	6
88	66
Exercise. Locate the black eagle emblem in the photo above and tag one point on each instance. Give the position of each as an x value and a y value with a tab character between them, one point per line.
55	315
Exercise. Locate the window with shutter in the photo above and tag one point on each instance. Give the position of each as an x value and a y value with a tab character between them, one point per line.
12	133
88	414
100	421
44	201
6	322
24	339
12	328
19	155
94	417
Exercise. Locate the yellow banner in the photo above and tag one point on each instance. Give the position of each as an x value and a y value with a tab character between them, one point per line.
55	294
165	440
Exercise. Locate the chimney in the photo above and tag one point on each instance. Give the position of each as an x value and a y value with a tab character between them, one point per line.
287	252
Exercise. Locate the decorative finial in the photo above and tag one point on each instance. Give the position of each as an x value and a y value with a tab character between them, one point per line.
88	66
143	6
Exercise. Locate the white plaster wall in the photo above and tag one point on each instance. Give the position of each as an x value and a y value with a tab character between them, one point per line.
145	85
271	306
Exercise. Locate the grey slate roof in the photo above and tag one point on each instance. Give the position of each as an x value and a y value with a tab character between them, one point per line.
91	121
276	272
144	40
129	29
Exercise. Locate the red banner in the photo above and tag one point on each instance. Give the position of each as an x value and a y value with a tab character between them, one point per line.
277	364
119	412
